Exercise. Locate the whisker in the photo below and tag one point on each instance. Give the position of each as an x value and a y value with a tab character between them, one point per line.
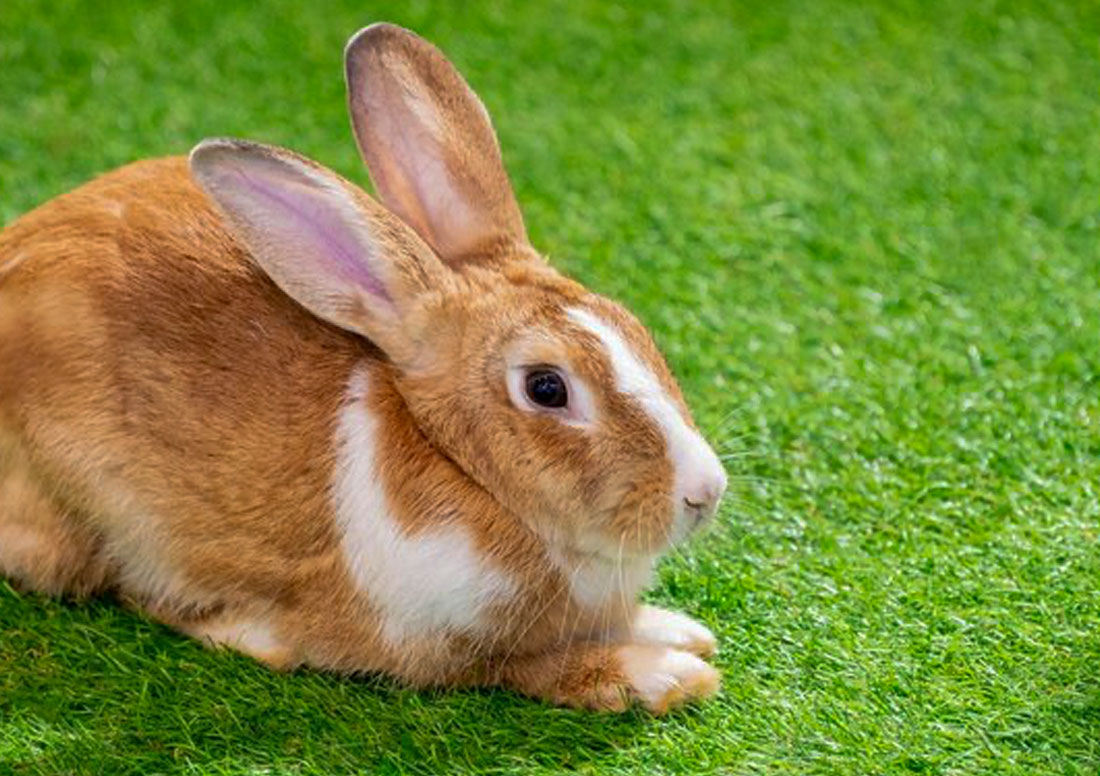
618	568
572	632
622	579
727	419
676	550
569	588
744	477
726	442
519	639
739	454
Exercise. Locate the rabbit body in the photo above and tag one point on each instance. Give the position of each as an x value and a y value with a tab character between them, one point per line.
186	421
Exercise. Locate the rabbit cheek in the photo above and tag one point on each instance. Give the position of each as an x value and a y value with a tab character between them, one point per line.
692	493
643	520
432	581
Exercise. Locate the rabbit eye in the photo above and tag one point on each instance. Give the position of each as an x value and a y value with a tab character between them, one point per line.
546	388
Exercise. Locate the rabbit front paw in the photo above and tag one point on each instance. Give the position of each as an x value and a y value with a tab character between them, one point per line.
663	678
653	625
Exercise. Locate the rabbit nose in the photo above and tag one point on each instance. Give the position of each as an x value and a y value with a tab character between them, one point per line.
701	497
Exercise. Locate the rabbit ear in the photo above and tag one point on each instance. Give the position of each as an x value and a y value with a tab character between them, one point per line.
328	245
429	145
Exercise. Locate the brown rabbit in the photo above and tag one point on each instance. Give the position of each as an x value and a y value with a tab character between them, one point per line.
286	419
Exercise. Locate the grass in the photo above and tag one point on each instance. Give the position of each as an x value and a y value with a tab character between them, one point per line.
866	236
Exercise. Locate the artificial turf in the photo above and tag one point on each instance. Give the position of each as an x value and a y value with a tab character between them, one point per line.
866	236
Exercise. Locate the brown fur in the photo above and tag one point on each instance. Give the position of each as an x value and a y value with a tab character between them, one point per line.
167	416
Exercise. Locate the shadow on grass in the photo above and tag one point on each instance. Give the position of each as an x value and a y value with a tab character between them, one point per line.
1066	728
1077	709
91	688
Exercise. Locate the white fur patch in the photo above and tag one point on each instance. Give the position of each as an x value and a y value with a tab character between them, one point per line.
596	580
433	581
688	451
252	637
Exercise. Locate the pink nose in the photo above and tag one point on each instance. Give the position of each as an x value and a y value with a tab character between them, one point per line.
702	494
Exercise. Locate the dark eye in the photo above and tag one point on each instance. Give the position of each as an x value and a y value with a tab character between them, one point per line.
546	388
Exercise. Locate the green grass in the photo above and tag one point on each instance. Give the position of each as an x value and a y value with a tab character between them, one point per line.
867	238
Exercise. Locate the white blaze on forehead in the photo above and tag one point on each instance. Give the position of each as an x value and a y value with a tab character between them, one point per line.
687	449
632	376
421	585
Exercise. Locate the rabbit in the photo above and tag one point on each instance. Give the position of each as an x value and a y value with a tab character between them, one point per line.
326	431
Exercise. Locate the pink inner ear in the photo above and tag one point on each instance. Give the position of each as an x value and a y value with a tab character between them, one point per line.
314	223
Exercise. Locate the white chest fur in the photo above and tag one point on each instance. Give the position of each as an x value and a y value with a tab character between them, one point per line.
596	581
425	584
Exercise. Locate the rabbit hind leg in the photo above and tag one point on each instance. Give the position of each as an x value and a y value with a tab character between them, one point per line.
251	636
43	547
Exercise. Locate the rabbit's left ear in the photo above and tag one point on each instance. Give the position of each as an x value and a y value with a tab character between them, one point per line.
429	145
330	247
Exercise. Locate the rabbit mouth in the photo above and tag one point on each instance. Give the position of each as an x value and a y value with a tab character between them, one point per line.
637	542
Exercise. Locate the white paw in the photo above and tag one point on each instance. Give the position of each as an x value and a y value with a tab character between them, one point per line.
665	678
653	625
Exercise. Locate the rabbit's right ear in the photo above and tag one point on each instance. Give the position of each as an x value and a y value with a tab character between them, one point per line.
429	145
328	245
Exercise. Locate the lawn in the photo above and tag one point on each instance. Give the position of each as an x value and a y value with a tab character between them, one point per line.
867	237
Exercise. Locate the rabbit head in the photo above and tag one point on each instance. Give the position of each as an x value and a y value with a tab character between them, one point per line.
553	399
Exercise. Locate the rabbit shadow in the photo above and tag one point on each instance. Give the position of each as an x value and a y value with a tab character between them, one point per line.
1072	719
92	683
